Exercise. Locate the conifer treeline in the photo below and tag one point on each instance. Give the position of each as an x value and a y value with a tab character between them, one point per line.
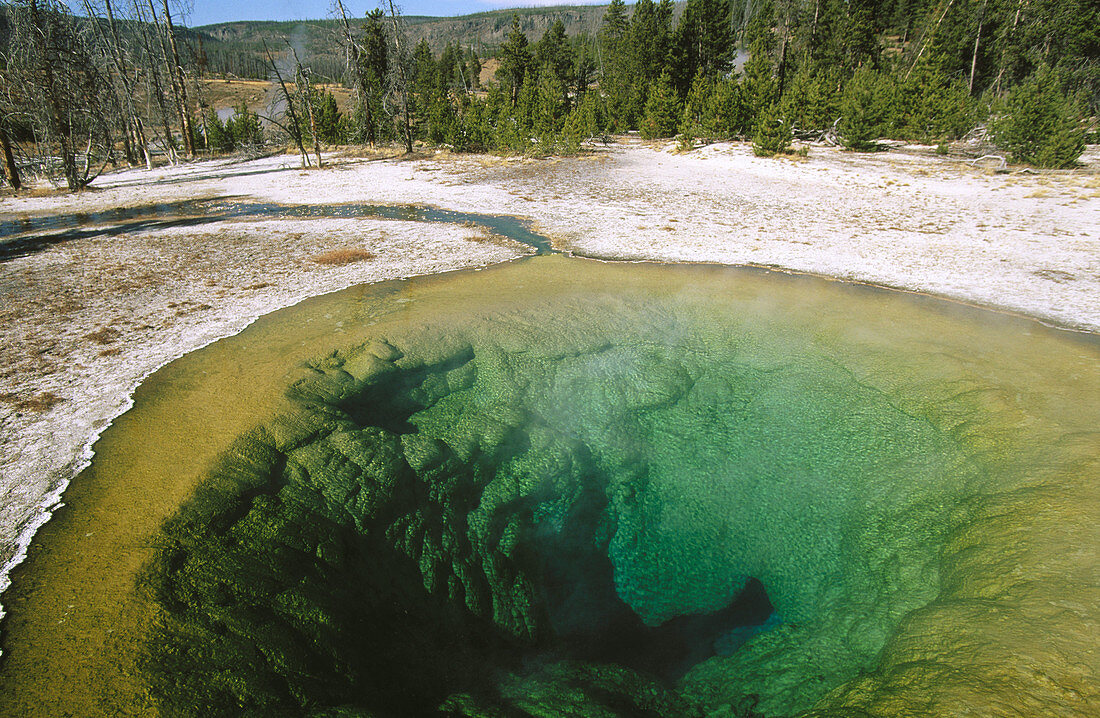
924	70
72	92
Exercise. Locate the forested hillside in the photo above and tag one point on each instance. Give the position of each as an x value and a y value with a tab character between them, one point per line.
1025	73
483	32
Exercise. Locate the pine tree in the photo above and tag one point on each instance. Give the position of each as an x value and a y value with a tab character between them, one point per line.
217	136
515	61
867	108
692	123
554	56
648	39
585	121
425	70
1040	125
245	128
772	135
616	78
932	105
614	25
727	113
584	67
859	37
662	109
551	107
810	100
703	41
328	117
369	57
760	88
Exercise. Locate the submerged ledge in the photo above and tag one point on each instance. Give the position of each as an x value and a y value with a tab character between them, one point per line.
920	364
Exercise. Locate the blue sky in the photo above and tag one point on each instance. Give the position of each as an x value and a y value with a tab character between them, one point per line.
206	12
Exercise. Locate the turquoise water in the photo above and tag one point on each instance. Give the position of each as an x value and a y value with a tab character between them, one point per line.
523	474
561	487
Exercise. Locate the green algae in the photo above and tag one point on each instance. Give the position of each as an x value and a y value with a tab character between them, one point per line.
395	536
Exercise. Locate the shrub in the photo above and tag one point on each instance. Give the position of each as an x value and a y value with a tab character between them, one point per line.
662	110
866	107
933	106
772	135
244	127
1039	124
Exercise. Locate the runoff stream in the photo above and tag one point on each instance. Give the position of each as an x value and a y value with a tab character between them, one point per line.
563	487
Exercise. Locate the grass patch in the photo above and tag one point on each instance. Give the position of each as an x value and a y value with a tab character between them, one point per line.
340	257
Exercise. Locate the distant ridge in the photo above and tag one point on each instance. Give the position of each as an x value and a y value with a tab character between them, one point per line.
482	31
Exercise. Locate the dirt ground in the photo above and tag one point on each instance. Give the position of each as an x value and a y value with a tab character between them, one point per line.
226	94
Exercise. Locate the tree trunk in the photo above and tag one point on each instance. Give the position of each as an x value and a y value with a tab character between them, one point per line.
974	57
403	79
166	61
57	126
169	144
306	92
158	90
926	38
11	172
313	129
135	119
295	128
813	28
781	71
354	61
181	80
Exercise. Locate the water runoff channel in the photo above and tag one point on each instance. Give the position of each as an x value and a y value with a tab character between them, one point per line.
560	487
24	236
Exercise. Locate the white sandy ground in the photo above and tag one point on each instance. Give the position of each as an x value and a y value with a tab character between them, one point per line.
1024	242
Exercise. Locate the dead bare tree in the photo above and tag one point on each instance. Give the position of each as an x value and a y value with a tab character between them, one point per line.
401	63
61	92
294	128
8	107
11	171
305	92
122	81
165	60
928	36
180	80
152	66
353	55
974	57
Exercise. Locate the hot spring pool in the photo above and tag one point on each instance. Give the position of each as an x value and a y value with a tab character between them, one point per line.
562	487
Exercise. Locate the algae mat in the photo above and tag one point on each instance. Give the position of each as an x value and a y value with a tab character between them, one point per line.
494	493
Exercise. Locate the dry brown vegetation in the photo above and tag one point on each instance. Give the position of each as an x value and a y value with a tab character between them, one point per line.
342	256
105	335
41	402
221	94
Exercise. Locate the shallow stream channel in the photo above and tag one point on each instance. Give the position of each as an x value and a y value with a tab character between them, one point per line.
20	237
565	487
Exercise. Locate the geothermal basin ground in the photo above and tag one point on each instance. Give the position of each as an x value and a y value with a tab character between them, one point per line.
88	317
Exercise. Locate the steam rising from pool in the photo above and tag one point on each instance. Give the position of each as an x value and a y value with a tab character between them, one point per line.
565	486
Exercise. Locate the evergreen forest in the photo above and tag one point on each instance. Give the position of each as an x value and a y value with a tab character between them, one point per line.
78	91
